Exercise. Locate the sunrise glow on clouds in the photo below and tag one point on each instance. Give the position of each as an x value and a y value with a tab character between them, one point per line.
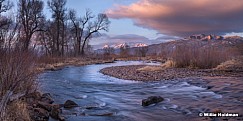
183	17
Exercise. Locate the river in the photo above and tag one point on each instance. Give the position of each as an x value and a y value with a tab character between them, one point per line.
118	99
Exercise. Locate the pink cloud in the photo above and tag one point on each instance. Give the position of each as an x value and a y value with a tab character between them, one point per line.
184	17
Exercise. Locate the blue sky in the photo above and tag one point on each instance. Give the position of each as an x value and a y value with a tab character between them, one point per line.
117	27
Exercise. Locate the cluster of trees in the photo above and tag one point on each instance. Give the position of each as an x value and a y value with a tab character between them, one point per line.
141	51
63	34
125	51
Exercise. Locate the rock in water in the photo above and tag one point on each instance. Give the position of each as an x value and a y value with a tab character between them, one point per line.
151	100
70	104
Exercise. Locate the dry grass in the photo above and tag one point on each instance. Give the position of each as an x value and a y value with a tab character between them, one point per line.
17	110
49	63
168	64
233	64
150	68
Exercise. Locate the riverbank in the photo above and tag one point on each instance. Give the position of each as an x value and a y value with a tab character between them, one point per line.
136	73
60	63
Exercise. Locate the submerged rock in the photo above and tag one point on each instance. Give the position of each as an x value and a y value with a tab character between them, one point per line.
99	113
210	87
70	104
151	100
92	106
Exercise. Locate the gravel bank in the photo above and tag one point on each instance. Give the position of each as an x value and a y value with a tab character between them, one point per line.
131	73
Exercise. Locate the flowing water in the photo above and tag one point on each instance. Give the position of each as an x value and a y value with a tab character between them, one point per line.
104	98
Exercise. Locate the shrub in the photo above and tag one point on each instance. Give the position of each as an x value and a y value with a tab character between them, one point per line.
17	74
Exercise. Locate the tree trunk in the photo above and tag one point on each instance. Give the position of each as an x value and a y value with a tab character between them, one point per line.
57	37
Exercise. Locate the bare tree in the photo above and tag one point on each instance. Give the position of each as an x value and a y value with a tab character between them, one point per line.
8	34
84	28
5	22
108	51
30	16
142	51
47	37
102	23
124	50
79	25
58	13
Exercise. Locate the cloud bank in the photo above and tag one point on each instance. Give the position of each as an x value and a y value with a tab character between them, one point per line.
184	17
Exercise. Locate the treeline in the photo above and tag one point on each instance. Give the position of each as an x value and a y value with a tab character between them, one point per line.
125	51
63	34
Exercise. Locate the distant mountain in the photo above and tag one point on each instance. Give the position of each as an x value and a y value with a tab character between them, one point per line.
202	40
140	45
118	46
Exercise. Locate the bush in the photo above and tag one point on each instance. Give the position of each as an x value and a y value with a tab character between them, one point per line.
17	76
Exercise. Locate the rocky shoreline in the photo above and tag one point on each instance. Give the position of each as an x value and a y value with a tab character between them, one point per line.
132	73
41	107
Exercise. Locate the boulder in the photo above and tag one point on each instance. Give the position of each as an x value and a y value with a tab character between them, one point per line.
47	98
151	100
55	112
41	114
32	98
61	118
70	104
210	87
44	105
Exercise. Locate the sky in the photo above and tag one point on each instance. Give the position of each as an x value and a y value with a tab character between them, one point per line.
156	21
